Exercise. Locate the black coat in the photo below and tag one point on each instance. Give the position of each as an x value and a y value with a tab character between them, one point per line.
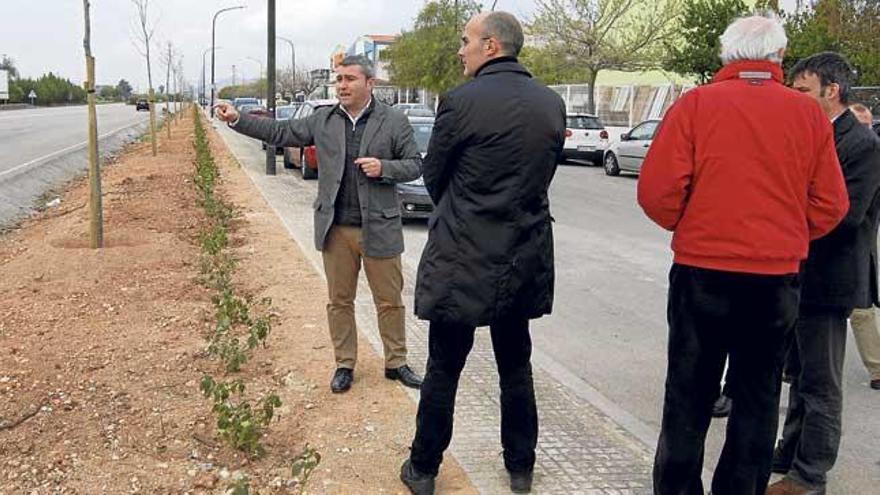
840	270
492	155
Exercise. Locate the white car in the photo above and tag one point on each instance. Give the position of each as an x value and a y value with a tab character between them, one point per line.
585	138
628	153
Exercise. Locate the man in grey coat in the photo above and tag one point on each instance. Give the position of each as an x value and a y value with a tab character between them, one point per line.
364	148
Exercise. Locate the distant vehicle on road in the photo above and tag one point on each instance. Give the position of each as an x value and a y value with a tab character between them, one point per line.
415	202
585	138
305	159
142	105
238	102
628	153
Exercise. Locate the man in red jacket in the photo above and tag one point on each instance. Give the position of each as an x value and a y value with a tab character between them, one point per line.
744	172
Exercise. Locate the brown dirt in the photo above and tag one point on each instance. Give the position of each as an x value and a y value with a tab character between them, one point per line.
101	351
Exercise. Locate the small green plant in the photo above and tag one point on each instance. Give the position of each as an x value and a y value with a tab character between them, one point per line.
240	423
237	332
303	466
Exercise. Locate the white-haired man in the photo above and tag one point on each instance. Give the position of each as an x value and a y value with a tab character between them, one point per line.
744	172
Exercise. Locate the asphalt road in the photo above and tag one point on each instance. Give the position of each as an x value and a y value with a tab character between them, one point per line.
606	338
43	148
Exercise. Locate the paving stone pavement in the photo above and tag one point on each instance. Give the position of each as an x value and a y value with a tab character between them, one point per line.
580	450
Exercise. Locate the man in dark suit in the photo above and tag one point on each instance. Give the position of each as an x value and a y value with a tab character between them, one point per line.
489	256
363	148
834	281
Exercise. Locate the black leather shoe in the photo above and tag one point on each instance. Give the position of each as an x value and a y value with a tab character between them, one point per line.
722	407
875	383
418	483
521	482
780	464
342	379
405	375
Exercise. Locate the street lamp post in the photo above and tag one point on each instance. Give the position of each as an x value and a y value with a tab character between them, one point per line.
292	53
292	63
213	34
261	66
204	78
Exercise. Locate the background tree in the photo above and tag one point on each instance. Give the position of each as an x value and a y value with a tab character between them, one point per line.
144	31
702	22
124	89
8	64
551	67
850	27
108	93
596	35
426	56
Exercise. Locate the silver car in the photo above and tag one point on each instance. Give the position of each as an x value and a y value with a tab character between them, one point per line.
627	153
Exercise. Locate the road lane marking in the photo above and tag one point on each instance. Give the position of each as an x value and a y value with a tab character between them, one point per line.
69	148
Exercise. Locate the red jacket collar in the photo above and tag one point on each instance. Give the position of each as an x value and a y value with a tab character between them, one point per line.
741	70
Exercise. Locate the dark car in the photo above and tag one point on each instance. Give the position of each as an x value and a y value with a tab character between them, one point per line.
142	105
415	202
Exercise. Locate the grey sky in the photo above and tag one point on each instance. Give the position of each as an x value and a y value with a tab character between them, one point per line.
46	35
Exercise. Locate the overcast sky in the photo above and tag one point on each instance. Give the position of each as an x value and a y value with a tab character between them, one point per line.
46	35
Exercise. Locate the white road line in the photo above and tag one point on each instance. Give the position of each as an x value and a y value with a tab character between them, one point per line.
69	148
57	112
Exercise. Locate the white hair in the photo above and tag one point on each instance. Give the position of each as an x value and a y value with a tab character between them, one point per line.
755	37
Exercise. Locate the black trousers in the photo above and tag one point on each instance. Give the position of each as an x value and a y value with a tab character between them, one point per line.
811	435
712	314
448	348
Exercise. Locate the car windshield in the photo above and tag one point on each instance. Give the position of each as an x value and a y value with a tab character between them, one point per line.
284	112
583	122
422	133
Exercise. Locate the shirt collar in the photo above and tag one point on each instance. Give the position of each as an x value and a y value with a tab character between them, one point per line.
360	115
750	69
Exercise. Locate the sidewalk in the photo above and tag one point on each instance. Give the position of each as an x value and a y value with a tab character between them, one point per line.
581	449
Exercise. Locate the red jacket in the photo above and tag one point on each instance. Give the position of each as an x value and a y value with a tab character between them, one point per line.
744	171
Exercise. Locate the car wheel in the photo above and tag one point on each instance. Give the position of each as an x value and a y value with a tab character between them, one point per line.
308	173
287	162
611	165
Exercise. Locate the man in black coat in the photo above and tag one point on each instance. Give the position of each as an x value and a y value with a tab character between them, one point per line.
489	256
834	281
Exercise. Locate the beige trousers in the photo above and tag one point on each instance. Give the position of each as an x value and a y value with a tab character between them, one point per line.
864	325
343	256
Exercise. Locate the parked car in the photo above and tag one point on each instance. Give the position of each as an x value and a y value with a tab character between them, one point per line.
142	105
415	202
238	102
415	109
585	138
283	112
255	110
305	159
628	153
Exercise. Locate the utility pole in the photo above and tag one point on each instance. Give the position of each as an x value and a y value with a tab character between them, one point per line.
96	220
270	83
233	75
